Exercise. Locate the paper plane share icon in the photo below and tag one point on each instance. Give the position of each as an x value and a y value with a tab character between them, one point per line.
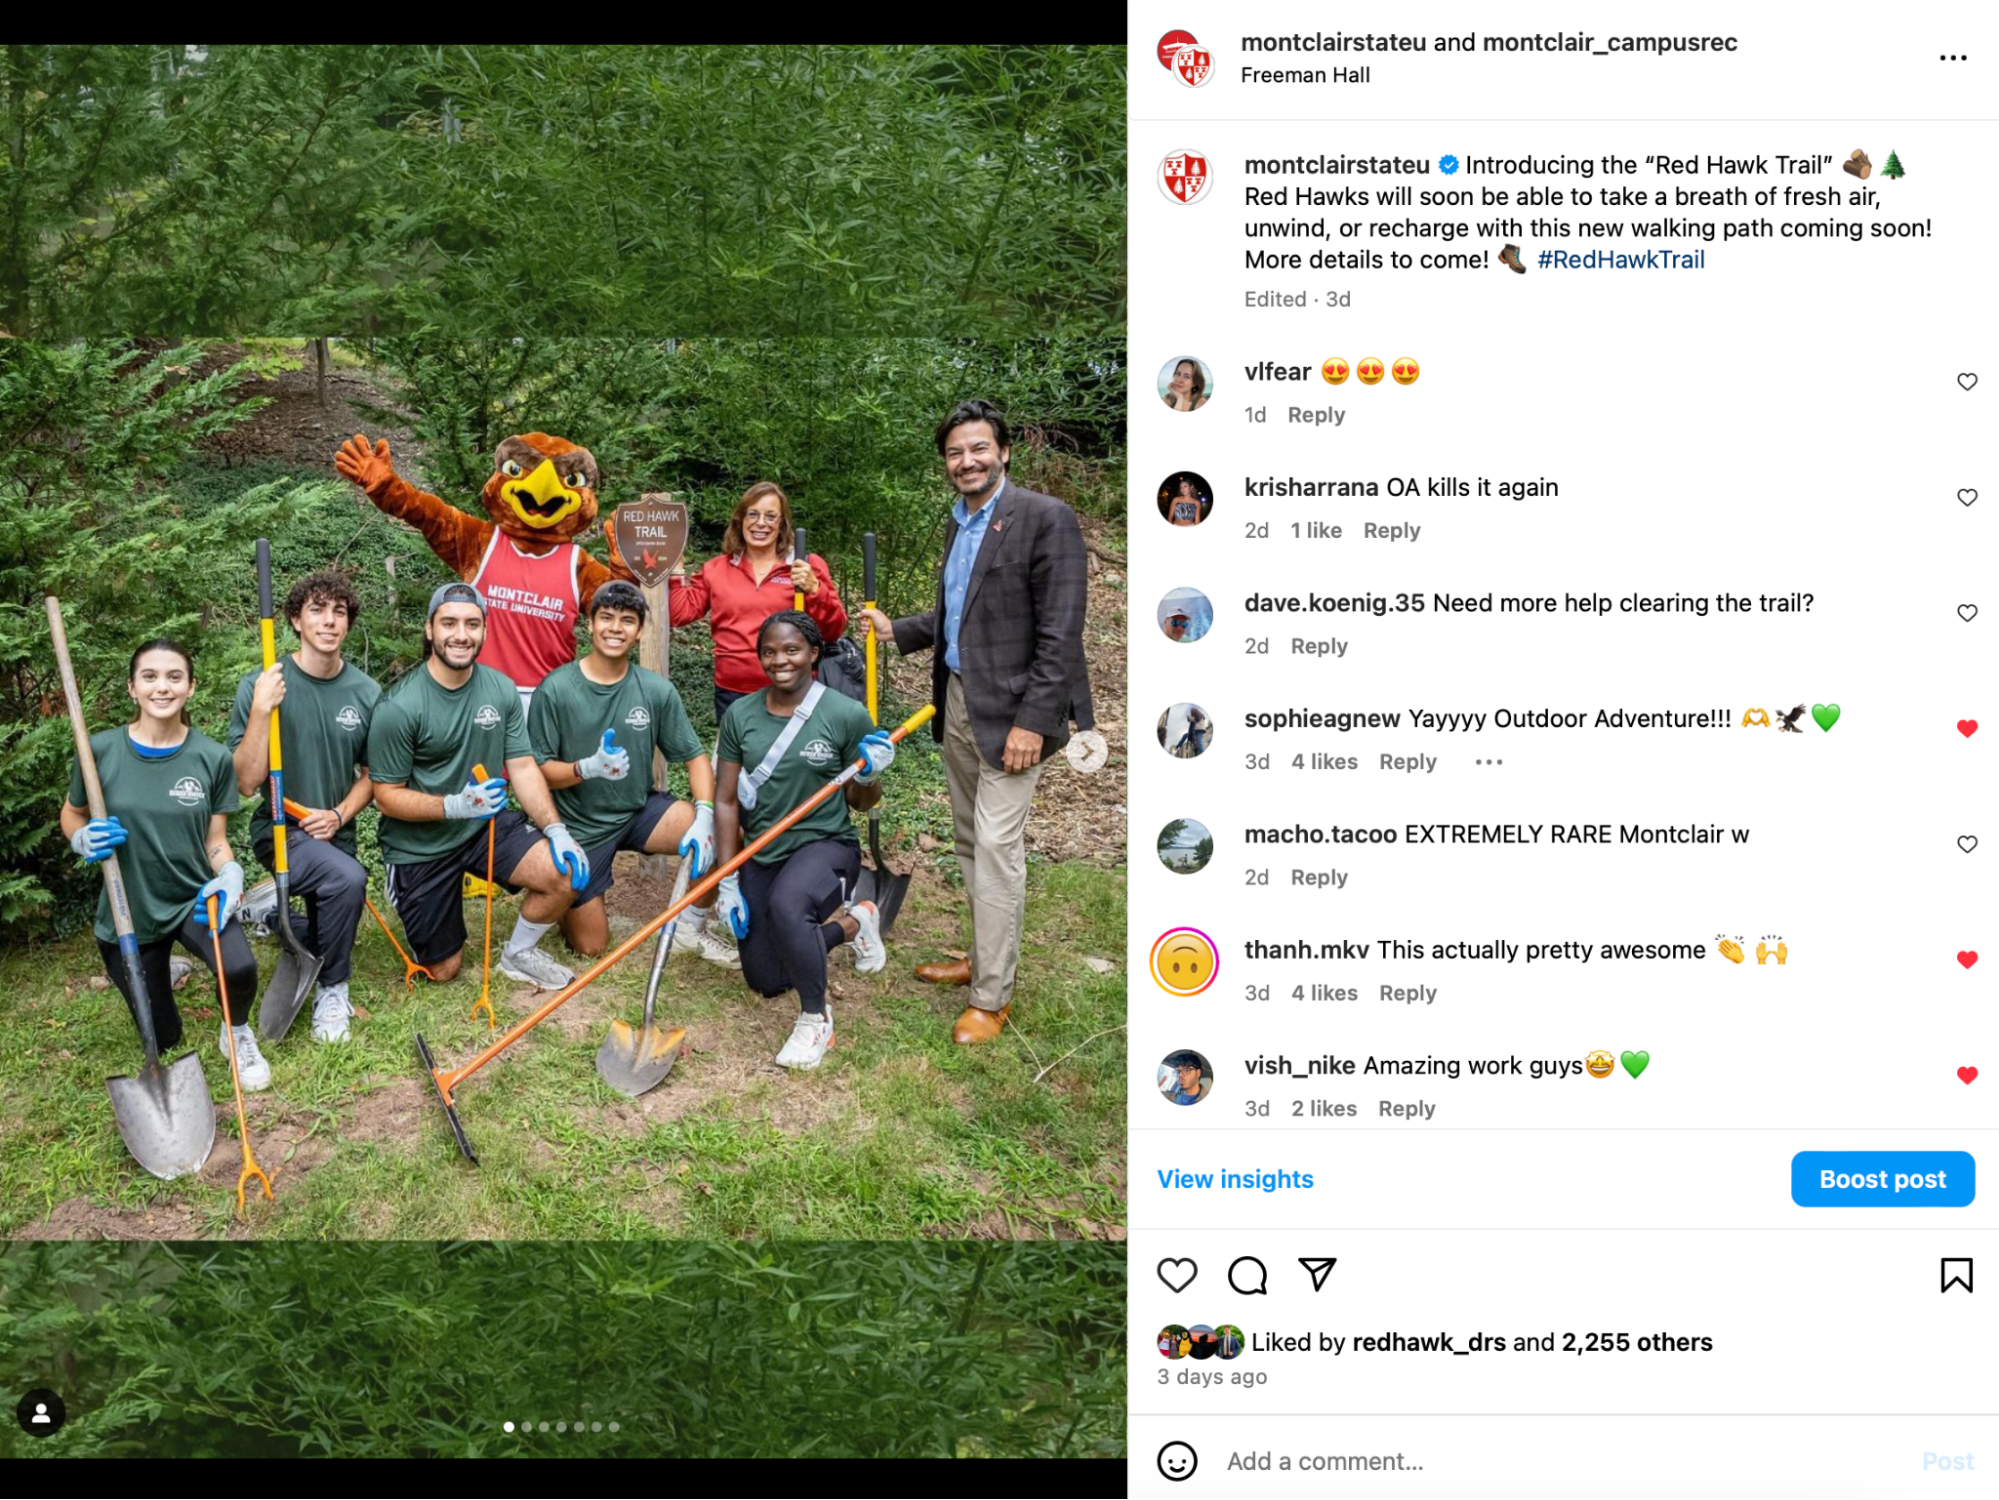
1320	1267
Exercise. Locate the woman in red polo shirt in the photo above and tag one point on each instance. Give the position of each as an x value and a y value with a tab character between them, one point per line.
755	577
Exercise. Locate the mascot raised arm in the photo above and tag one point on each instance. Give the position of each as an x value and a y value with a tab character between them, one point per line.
525	560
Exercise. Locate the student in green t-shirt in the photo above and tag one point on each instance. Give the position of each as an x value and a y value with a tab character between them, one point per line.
778	746
328	704
441	720
168	793
592	724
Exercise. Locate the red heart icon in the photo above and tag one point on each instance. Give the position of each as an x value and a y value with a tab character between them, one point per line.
1967	727
1968	957
1965	1075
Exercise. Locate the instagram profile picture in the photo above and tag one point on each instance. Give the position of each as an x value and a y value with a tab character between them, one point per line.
1185	846
1185	731
1185	176
1185	615
1186	383
1185	498
1185	1077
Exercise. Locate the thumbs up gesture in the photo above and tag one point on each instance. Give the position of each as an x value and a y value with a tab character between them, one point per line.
611	762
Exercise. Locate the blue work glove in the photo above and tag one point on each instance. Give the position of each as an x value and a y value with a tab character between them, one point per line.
879	752
95	840
612	762
730	905
480	799
697	845
568	855
229	887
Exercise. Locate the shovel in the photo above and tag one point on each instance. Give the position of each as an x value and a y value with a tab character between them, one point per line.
297	969
634	1062
447	1082
880	885
164	1114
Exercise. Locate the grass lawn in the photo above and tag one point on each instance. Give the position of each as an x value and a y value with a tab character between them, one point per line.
898	1135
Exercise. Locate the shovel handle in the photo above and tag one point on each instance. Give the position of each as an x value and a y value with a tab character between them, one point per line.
868	594
114	882
799	554
448	1082
267	632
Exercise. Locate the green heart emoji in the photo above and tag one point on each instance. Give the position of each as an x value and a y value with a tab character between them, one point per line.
1636	1062
1825	715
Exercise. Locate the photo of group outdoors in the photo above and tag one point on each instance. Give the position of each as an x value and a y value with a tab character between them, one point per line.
602	766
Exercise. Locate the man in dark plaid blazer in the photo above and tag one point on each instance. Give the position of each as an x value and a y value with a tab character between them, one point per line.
1006	631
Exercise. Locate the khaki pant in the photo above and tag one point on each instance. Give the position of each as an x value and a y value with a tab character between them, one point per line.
989	823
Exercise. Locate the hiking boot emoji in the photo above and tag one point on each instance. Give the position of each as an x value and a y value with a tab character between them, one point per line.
1510	256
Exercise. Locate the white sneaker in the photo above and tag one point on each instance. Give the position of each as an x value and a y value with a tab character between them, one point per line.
532	966
710	945
330	1013
250	1064
870	953
810	1037
687	930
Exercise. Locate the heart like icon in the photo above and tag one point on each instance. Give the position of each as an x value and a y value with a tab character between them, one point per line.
1636	1062
1178	1274
1965	497
1825	715
1967	727
1967	381
1965	1075
1968	957
1967	612
1966	842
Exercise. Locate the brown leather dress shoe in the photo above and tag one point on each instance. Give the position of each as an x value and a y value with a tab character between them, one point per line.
958	971
976	1025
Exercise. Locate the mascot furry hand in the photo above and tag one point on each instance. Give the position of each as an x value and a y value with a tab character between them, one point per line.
525	561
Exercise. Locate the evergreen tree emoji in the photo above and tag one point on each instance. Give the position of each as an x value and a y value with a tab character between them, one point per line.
1894	167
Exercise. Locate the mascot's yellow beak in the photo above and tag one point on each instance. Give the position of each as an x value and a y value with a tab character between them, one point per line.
542	500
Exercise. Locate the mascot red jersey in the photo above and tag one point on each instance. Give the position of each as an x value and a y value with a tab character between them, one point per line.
525	561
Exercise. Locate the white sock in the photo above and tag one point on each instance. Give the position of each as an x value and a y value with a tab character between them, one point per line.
526	935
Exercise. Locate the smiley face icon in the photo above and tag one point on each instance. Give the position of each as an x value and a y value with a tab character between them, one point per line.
1335	370
1405	371
1370	371
1177	1461
1600	1064
1184	961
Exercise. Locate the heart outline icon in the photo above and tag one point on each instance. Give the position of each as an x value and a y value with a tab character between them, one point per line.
1967	612
1825	715
1965	1075
1968	957
1967	842
1967	727
1176	1262
1636	1062
1966	497
1967	380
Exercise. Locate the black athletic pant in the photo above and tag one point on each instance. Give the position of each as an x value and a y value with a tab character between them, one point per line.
789	904
239	970
334	886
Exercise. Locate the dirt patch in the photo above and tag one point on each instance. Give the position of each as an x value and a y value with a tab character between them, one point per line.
392	1112
82	1219
294	429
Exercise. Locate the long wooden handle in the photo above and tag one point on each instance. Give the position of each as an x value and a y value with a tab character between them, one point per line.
93	788
448	1082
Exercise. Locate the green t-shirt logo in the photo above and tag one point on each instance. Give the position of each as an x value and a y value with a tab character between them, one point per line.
818	753
488	717
639	719
349	718
188	792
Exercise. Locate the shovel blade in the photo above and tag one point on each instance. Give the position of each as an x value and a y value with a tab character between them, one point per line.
885	890
285	996
634	1060
166	1116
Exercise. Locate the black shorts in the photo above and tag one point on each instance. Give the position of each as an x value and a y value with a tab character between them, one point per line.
643	822
428	895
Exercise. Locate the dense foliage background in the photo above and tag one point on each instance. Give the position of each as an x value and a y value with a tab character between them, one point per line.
135	497
781	188
413	1349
